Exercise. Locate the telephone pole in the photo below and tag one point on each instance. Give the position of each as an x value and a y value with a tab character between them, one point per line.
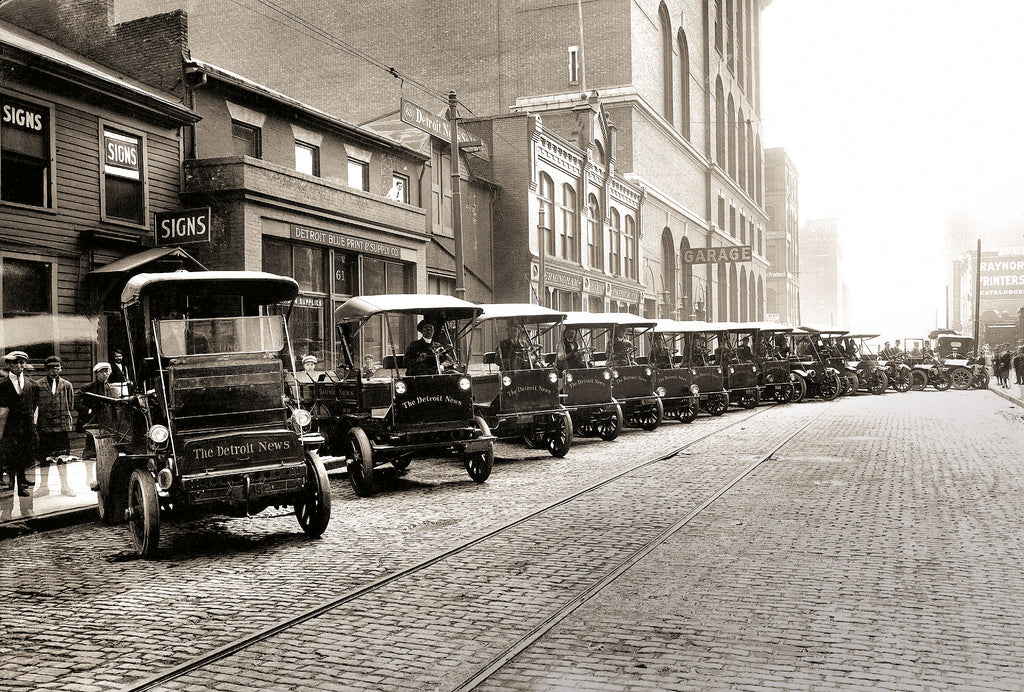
460	265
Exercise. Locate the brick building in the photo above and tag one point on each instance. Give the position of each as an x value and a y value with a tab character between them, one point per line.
781	187
679	79
824	293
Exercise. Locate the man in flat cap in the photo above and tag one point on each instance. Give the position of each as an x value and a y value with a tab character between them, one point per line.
90	409
17	420
56	401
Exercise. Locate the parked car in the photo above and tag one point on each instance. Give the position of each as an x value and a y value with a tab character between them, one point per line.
736	356
860	356
211	426
586	380
515	386
680	396
700	344
812	373
420	401
771	355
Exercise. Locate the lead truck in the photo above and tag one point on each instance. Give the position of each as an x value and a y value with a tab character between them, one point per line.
211	426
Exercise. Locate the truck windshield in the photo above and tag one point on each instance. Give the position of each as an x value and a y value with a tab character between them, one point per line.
222	335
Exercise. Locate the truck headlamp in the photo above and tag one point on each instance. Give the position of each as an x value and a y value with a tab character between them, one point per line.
400	387
506	381
464	384
302	417
552	377
661	391
159	434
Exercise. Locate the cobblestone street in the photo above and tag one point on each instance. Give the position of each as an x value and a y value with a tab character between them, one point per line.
875	549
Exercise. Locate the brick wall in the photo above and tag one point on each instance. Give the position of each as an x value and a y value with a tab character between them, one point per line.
149	49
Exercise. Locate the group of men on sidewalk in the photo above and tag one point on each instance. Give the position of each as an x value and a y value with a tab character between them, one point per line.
36	421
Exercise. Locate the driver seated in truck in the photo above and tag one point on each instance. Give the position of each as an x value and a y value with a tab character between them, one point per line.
622	348
425	356
516	352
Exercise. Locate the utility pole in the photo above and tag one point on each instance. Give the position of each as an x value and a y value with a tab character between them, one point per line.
977	300
460	265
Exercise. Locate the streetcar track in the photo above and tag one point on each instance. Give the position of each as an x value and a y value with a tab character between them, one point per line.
248	641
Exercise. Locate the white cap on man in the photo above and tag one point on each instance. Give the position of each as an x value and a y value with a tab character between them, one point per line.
102	365
309	359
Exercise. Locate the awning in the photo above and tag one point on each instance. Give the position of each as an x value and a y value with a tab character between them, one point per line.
164	259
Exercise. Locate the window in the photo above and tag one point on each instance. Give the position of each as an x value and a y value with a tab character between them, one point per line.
615	244
246	139
440	285
359	175
574	64
594	224
630	249
307	158
27	290
665	28
684	85
545	198
399	188
568	248
123	191
25	154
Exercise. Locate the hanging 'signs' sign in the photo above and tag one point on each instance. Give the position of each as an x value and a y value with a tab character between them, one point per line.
183	226
716	255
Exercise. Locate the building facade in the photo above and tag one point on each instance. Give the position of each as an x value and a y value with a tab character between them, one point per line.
782	242
290	188
679	79
823	292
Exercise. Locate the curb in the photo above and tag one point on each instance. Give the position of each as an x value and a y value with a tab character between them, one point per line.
48	522
1008	394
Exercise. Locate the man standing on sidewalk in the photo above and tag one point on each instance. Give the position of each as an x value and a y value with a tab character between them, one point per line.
17	420
56	401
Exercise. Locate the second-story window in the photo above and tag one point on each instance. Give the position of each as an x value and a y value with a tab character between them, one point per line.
399	188
568	246
123	189
595	222
630	249
359	175
246	139
307	158
614	244
545	198
574	64
25	154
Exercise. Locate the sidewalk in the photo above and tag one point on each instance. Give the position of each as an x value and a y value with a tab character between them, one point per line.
41	510
1015	393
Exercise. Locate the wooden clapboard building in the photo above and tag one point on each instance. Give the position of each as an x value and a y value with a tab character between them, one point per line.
87	157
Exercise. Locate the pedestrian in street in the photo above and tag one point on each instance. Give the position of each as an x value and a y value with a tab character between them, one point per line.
91	410
56	401
17	421
1003	360
1018	364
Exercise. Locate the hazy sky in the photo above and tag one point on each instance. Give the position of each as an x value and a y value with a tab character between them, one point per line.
897	113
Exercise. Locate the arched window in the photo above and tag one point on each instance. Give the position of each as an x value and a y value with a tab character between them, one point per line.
734	294
595	222
665	26
760	241
751	176
744	296
723	293
630	249
718	25
759	172
684	85
760	299
720	123
546	198
668	273
741	150
598	155
568	236
730	45
686	293
731	125
614	243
